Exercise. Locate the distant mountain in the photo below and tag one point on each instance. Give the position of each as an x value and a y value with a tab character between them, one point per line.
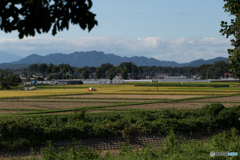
13	66
200	62
7	57
96	59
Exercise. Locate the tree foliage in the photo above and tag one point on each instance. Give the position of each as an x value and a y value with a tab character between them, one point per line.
42	68
98	73
233	7
111	73
124	73
85	74
33	68
9	81
30	16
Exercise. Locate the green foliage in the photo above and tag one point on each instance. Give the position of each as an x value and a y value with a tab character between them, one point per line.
213	109
172	149
184	85
233	7
64	68
4	85
40	79
33	68
228	116
29	17
9	81
85	74
4	73
50	77
32	130
42	68
111	73
124	73
98	73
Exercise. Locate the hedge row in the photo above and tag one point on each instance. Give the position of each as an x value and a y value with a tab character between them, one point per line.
28	131
185	85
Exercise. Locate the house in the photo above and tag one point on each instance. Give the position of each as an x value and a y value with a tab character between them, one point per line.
92	75
161	76
39	75
175	77
129	76
118	75
196	76
226	75
18	73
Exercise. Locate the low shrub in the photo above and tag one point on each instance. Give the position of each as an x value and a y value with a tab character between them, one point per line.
184	85
212	109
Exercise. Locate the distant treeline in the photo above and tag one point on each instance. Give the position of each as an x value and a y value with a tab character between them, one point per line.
125	69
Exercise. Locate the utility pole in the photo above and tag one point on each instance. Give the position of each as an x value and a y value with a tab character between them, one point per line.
149	85
46	73
25	76
157	82
69	76
63	82
207	74
132	71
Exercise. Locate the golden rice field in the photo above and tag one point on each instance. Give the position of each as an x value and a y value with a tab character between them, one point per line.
112	98
121	89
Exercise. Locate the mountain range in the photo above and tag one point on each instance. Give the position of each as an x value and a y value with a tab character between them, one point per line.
96	59
7	57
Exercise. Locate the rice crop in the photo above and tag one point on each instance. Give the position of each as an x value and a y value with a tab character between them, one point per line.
120	89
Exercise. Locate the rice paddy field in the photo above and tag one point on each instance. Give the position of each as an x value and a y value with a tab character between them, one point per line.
56	99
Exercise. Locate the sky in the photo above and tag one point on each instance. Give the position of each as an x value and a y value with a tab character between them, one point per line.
170	30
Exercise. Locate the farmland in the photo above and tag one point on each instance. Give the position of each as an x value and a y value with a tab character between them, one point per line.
113	110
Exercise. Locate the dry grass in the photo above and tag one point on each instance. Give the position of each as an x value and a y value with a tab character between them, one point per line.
135	96
48	105
87	100
169	105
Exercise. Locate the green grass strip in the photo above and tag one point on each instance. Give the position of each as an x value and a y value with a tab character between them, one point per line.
183	85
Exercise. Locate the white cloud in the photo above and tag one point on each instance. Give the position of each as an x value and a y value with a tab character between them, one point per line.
181	50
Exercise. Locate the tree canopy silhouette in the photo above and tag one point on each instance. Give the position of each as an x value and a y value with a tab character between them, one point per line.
233	7
30	16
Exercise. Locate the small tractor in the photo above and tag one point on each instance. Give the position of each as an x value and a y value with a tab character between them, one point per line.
91	89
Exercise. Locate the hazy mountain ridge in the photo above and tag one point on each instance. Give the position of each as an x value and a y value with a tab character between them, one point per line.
96	59
7	57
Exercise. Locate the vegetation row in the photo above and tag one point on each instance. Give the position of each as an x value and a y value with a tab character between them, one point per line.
172	148
28	131
184	85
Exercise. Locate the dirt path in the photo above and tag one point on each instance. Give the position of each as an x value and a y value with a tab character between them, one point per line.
87	100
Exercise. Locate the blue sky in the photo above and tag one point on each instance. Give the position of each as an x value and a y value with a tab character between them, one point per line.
172	30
